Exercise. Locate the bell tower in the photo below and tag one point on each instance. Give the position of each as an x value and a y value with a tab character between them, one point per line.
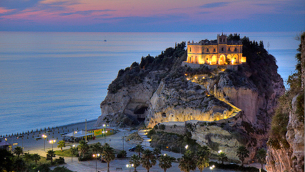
222	39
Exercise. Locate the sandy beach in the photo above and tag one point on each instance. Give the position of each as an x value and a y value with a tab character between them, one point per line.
33	145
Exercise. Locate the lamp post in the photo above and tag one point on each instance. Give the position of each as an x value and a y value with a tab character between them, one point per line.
95	156
52	142
44	142
129	166
104	125
73	146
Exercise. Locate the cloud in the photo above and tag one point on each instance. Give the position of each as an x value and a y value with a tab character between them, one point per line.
18	4
214	5
88	12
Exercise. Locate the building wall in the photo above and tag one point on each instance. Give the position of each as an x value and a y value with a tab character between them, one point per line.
215	54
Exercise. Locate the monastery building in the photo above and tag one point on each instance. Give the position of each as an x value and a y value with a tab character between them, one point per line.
218	52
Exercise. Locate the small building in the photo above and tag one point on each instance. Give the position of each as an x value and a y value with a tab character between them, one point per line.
4	144
218	52
101	132
77	136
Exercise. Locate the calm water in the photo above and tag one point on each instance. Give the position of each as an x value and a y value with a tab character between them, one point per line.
52	79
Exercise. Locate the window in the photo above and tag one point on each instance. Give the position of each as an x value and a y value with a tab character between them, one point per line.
222	49
228	49
220	39
235	50
190	49
207	50
214	50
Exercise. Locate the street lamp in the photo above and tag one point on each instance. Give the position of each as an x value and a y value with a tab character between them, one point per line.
212	167
95	156
129	166
186	146
219	151
73	146
44	142
52	142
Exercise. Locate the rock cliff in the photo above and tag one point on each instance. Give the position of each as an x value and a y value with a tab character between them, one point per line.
286	142
238	104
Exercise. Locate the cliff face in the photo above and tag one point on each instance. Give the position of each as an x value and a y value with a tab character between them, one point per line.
292	158
236	104
286	148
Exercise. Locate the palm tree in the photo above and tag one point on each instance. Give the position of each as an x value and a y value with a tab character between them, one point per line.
107	154
61	144
139	149
136	161
6	160
156	152
97	147
165	162
261	157
50	155
18	150
203	158
222	157
36	158
148	159
83	147
187	162
242	153
28	157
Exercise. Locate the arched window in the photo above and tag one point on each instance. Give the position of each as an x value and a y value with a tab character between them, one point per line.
220	39
228	49
214	50
207	50
222	49
235	49
190	49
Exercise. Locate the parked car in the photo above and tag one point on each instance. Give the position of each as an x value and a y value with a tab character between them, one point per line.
132	149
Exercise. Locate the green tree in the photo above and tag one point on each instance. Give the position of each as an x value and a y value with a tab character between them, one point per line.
108	154
97	147
43	167
165	162
18	150
139	148
73	151
148	159
6	160
50	155
83	147
222	157
156	152
61	144
36	158
187	162
136	161
261	157
203	158
242	153
28	157
19	165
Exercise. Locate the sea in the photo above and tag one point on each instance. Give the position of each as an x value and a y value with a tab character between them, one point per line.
50	79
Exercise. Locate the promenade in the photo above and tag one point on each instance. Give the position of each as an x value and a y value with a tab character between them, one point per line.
116	141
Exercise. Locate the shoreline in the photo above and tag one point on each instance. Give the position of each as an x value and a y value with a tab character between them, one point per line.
34	131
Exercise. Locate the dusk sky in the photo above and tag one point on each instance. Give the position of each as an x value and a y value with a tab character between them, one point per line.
153	15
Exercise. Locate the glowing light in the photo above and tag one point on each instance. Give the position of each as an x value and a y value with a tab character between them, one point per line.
186	146
219	151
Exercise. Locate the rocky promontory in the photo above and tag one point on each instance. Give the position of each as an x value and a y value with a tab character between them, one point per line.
222	105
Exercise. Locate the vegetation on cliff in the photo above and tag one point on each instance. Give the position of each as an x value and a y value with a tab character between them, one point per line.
280	120
137	72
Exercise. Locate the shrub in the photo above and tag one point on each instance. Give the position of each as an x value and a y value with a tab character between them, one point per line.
151	132
122	154
60	160
162	127
86	157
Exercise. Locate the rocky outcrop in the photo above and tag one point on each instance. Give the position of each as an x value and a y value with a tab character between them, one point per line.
292	158
286	148
236	103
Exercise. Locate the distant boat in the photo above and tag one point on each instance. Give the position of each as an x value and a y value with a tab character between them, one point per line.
105	40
